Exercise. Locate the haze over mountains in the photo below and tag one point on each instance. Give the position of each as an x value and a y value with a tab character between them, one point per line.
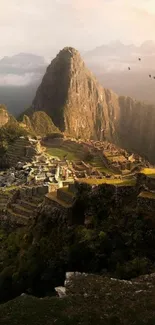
21	74
110	65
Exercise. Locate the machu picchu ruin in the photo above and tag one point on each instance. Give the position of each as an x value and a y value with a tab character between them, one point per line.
54	166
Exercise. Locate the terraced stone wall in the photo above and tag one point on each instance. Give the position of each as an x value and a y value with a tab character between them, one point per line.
20	150
33	191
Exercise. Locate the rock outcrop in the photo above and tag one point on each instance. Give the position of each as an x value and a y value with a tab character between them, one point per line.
4	116
71	95
78	105
39	123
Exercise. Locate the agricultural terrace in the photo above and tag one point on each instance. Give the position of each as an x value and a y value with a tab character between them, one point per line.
150	172
116	182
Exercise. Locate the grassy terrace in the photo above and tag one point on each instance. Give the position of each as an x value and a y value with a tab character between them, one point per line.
60	153
150	172
10	188
117	182
147	195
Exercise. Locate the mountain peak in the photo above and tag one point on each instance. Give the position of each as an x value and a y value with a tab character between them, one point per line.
68	52
78	105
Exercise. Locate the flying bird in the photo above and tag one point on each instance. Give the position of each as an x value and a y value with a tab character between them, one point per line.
129	68
139	59
150	75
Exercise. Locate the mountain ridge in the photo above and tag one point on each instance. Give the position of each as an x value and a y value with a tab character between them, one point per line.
81	107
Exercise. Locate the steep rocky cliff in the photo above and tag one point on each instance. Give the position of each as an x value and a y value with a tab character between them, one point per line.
4	116
78	105
71	95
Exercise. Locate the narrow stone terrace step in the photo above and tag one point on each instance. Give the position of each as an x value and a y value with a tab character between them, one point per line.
21	210
17	218
27	204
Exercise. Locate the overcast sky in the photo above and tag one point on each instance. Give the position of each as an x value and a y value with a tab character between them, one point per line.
39	26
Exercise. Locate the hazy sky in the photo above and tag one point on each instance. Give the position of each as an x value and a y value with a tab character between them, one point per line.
39	26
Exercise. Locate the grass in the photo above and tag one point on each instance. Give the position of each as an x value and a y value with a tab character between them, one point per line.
91	300
10	188
147	195
148	171
98	164
119	182
60	153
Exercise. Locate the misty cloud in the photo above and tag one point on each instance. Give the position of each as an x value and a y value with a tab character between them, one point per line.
43	27
19	80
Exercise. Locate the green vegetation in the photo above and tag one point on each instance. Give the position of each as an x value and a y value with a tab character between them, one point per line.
9	133
40	123
60	153
119	242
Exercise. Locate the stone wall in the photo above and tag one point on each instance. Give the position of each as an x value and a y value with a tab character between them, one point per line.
21	150
33	191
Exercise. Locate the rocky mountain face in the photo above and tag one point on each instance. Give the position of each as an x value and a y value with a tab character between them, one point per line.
71	95
4	116
80	106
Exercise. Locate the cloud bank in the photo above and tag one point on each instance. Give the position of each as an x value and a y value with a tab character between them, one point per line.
43	27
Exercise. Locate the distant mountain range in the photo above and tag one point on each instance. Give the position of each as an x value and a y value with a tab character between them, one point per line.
110	65
21	74
118	52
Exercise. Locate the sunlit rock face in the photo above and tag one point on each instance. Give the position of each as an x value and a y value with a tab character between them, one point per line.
80	106
4	116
